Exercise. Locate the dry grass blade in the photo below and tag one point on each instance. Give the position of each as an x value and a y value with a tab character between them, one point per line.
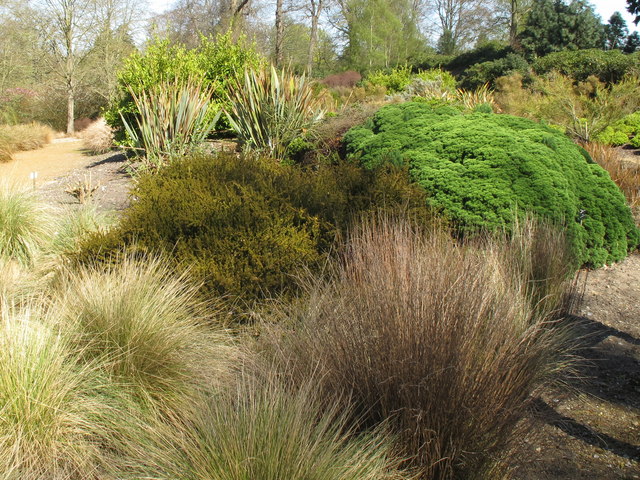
145	327
18	138
97	138
261	430
625	174
49	413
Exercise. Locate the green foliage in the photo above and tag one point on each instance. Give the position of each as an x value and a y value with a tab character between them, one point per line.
270	109
487	72
611	136
616	32
609	66
582	110
247	225
261	430
380	33
217	62
394	80
554	26
172	121
621	132
26	227
486	52
479	168
402	79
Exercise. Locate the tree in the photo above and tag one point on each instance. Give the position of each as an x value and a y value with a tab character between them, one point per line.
66	28
314	10
633	43
461	22
512	13
552	26
633	7
378	33
616	32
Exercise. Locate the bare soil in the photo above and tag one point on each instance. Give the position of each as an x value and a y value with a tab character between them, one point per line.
63	165
589	428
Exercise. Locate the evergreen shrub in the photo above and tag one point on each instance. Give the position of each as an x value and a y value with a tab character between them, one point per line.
609	66
245	225
481	168
214	63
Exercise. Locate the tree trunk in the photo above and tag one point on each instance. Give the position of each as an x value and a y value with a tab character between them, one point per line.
513	24
279	54
71	105
316	9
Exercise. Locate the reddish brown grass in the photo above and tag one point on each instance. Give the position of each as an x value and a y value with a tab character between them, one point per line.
444	343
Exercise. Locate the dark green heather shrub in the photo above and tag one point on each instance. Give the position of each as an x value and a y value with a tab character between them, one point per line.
246	226
481	168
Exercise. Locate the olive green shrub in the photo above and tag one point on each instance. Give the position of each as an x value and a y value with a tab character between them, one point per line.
245	226
481	168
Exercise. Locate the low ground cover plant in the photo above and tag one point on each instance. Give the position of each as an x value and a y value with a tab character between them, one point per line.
478	168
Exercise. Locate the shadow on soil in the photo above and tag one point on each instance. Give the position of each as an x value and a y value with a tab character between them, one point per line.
608	369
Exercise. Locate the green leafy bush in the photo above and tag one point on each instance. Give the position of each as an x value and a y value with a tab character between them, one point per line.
480	168
486	52
609	66
245	226
216	62
612	136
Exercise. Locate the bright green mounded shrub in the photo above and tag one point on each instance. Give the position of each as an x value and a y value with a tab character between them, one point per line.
245	225
481	168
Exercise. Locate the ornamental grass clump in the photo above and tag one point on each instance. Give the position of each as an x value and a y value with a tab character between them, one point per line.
437	340
271	108
259	429
173	120
145	328
26	226
50	415
18	138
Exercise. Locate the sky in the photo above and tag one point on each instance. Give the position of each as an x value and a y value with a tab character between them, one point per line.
604	8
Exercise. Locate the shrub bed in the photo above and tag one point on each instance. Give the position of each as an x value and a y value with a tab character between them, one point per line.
245	226
480	168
